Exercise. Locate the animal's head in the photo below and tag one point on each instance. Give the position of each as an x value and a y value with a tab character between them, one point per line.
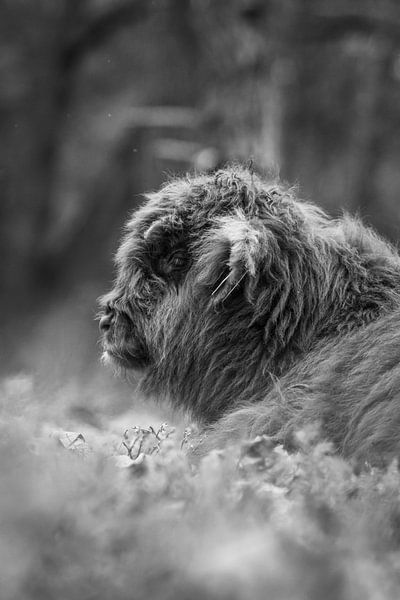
216	284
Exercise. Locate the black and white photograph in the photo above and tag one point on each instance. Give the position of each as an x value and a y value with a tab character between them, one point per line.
200	299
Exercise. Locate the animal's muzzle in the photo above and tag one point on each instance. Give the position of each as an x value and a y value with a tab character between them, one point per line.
120	337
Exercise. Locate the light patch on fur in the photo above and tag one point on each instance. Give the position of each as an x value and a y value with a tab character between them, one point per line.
106	358
244	241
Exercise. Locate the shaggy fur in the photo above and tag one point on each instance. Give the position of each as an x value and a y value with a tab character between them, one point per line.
350	387
225	281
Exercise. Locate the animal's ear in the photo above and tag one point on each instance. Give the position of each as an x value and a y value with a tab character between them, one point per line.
233	257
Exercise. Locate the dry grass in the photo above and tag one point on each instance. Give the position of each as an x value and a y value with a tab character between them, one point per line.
106	516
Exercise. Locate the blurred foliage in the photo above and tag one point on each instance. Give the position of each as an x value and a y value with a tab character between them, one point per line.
101	99
80	518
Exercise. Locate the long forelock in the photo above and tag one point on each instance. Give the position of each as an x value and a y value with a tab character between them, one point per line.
230	189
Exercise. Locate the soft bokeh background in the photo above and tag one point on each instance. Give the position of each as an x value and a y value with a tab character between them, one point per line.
101	99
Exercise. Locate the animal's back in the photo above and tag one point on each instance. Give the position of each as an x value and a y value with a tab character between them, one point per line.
349	387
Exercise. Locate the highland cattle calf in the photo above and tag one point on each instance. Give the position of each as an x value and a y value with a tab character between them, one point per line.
226	282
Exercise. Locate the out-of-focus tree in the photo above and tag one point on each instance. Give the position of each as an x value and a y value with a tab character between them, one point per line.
42	45
310	89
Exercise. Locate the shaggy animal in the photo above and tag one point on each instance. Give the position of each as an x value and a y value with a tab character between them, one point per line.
349	386
226	281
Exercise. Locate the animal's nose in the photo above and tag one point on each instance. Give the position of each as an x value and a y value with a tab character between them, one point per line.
105	322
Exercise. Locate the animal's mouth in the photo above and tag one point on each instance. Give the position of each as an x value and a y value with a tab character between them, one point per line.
129	357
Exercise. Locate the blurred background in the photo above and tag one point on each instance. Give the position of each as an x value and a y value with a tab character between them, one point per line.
101	99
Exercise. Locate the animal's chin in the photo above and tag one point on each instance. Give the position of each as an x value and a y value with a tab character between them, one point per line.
122	360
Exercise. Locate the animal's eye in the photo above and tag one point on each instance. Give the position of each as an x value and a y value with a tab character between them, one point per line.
176	260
